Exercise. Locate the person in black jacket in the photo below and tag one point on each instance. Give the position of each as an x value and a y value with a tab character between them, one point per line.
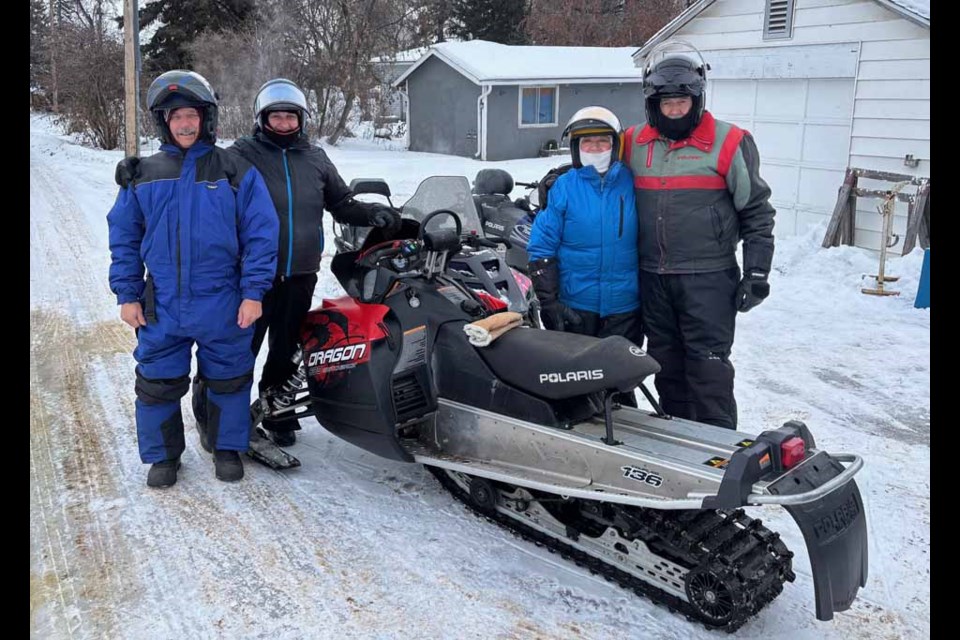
302	182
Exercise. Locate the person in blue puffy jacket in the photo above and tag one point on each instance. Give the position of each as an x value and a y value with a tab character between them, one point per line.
193	244
583	245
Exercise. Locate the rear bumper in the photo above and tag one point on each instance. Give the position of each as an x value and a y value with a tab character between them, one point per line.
834	528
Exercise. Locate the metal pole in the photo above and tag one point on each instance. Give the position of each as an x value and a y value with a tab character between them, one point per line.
886	210
131	79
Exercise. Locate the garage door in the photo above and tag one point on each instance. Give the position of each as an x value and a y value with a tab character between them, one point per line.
802	128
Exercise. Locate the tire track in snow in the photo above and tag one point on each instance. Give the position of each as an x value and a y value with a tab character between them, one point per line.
61	236
71	478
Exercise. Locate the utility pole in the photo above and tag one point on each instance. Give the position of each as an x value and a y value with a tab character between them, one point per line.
131	77
54	46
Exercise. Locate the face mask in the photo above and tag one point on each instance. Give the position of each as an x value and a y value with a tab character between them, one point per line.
600	161
676	128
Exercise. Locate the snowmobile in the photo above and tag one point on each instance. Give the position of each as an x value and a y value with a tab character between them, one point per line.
526	432
501	217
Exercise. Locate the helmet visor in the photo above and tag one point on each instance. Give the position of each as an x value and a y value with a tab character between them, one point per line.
180	88
673	81
280	96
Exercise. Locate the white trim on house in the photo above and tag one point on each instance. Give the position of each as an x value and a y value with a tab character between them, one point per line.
483	132
556	106
433	52
565	80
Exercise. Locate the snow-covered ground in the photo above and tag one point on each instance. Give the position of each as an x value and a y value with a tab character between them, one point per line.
353	546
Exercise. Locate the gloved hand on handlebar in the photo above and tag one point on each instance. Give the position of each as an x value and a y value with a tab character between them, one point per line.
555	315
384	217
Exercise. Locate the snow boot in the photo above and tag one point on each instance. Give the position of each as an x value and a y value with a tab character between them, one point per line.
282	438
163	474
228	465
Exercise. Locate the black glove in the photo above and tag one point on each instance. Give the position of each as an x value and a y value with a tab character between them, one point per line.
558	316
752	290
387	218
545	276
127	170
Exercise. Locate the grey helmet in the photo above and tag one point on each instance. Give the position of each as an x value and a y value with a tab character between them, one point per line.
280	94
182	88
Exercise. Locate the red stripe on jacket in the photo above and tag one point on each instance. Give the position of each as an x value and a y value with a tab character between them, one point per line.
729	148
680	182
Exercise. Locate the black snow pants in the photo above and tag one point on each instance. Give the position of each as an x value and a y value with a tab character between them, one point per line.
284	308
627	325
689	321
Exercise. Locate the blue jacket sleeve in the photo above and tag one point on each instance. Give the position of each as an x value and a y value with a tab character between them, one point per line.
547	231
259	235
126	226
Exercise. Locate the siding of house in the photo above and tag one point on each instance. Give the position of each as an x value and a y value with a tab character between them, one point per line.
891	88
507	140
443	110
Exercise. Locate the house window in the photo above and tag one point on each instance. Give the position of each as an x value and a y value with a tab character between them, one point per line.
778	20
538	106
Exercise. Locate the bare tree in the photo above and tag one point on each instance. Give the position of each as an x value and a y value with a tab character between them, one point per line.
236	64
90	70
333	43
598	23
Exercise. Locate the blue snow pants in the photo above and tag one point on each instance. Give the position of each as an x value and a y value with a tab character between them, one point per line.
224	361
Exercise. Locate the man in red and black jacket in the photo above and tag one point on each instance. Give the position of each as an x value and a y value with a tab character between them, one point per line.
699	192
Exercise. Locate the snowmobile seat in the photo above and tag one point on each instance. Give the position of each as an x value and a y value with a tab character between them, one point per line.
557	365
493	181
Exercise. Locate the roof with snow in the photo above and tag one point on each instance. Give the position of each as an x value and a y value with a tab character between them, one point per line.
916	11
485	62
920	8
407	55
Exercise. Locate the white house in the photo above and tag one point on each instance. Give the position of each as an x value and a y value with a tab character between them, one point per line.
821	85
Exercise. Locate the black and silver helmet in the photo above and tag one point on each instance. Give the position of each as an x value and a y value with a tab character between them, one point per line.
672	70
280	94
182	88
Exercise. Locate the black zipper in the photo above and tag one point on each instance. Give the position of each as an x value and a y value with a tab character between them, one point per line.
179	288
620	233
717	224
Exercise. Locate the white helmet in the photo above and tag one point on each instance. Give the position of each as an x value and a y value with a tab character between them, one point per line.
593	121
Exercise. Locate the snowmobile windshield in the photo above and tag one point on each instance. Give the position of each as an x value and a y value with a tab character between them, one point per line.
444	192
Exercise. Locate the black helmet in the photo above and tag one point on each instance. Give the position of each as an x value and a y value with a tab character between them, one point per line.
593	121
674	70
280	94
181	88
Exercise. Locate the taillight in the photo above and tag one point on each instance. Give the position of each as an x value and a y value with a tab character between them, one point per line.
522	280
792	451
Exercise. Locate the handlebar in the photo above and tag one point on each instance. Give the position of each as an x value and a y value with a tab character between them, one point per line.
388	249
475	240
531	185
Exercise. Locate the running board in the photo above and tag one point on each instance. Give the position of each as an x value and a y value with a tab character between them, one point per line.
661	463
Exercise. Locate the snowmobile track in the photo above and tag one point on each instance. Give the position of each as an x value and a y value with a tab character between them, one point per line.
732	544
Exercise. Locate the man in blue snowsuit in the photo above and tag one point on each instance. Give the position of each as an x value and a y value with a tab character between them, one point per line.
583	245
201	221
